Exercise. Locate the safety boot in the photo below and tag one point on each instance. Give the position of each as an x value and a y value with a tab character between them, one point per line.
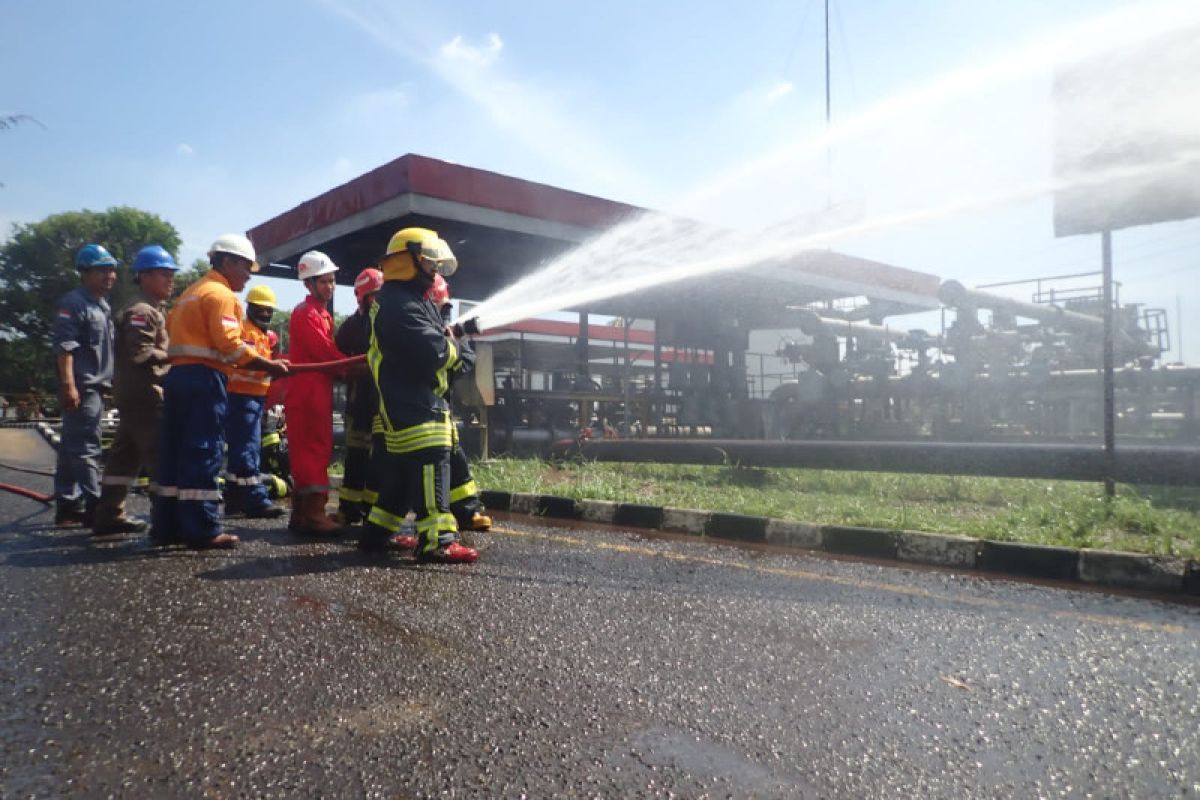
68	513
268	511
453	553
120	524
314	521
378	539
477	522
350	512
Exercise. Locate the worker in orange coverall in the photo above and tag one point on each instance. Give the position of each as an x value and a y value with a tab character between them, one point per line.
309	401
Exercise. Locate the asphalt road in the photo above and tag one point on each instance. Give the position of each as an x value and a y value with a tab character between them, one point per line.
569	663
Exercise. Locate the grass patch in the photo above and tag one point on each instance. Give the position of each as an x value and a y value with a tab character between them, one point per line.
1158	520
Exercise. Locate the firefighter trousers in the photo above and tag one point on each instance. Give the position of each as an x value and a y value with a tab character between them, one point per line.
416	480
464	493
187	500
358	461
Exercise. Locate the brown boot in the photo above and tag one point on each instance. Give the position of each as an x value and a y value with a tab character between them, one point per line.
296	518
315	521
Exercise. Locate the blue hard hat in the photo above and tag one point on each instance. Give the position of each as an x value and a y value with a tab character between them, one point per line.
153	256
94	255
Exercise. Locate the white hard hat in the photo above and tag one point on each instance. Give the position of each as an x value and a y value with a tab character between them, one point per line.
314	263
235	244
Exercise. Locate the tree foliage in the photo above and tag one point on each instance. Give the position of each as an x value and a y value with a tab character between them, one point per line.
37	266
186	277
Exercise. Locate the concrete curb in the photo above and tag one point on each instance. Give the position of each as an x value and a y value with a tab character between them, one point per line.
1097	567
47	432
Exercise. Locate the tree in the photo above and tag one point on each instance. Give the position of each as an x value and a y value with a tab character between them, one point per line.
37	266
9	121
185	278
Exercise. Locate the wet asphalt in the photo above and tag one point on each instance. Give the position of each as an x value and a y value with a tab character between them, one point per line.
585	662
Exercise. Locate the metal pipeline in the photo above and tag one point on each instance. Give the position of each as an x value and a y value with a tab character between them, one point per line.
1172	466
955	295
812	324
1127	379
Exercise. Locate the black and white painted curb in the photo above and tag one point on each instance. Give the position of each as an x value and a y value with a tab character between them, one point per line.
1098	567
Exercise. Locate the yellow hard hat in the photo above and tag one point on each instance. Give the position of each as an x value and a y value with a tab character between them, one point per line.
262	296
410	243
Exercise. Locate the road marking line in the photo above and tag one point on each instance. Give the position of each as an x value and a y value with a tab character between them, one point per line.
857	583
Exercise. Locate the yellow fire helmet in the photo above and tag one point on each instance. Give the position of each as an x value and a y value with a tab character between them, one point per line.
412	243
262	296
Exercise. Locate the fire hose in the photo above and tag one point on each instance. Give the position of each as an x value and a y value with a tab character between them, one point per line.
24	491
326	366
293	369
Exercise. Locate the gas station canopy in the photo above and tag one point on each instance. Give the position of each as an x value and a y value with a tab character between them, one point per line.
503	228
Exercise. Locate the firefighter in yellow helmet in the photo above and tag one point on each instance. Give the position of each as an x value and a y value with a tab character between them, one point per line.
244	489
411	356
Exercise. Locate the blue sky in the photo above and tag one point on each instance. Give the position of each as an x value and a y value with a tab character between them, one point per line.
220	115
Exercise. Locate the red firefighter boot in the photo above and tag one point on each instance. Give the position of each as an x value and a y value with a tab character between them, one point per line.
453	553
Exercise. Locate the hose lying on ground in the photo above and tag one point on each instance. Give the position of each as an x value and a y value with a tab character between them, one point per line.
30	493
23	491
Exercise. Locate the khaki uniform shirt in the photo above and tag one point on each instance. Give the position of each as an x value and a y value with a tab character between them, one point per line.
141	360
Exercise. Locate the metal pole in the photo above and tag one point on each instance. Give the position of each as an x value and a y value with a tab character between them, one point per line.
1110	439
626	373
827	98
1179	324
828	118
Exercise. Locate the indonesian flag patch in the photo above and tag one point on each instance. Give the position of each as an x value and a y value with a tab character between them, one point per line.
229	322
138	320
65	314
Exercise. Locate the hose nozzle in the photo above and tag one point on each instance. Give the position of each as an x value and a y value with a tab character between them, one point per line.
468	327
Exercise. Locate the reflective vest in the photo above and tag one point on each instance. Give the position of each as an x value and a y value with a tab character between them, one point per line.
205	326
252	382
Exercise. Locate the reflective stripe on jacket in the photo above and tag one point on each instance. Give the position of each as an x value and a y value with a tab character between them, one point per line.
205	327
410	358
255	383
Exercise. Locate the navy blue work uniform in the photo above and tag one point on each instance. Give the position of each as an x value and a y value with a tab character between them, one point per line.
205	346
83	327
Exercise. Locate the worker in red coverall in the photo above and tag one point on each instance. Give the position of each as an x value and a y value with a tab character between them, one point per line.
309	401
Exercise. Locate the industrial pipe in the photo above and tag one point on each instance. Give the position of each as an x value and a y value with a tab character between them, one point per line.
955	295
1173	466
812	324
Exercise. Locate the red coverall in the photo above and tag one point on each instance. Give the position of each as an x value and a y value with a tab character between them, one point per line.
309	400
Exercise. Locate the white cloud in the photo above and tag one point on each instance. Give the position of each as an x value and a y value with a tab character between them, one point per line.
529	112
457	49
185	149
779	90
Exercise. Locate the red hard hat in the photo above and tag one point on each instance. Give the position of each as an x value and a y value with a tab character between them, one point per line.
368	281
439	293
